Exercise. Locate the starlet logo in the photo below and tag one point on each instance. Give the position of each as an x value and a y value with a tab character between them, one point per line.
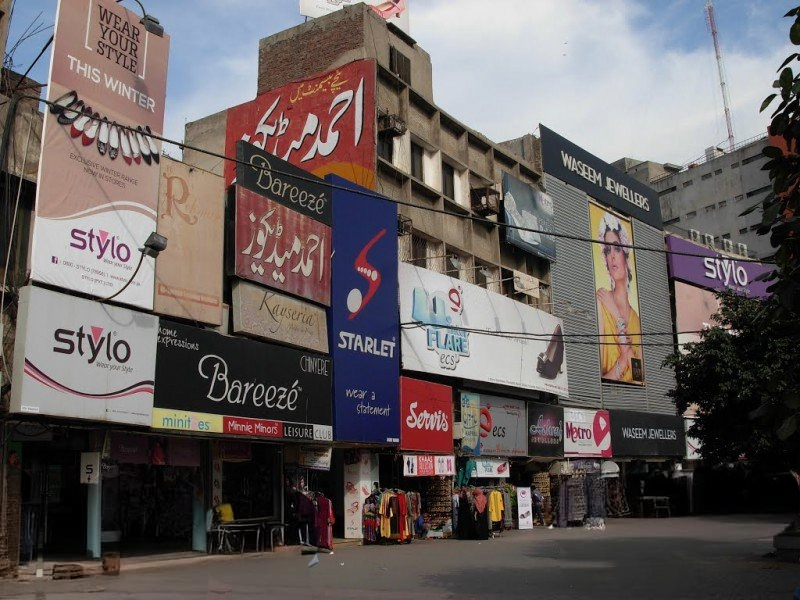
356	300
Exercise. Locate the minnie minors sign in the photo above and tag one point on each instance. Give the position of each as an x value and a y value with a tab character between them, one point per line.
426	416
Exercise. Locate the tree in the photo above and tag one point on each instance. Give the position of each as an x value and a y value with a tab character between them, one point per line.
736	375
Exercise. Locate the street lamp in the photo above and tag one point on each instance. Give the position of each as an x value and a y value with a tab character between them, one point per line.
154	245
149	22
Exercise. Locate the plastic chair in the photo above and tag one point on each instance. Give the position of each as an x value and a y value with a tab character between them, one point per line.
661	505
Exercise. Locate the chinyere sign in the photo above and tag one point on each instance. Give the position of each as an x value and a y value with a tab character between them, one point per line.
99	169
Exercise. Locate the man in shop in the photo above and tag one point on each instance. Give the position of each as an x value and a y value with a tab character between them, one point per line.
538	504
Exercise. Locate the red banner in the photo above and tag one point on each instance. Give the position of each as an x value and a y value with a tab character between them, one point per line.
282	249
324	124
426	416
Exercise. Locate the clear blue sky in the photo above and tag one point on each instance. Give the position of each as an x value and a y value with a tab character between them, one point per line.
617	77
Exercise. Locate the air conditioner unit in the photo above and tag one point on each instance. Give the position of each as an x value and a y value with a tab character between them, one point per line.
391	125
694	235
485	201
708	240
727	245
742	249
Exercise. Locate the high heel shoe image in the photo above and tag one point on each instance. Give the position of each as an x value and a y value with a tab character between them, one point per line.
144	148
63	102
102	136
548	363
154	151
125	145
90	131
113	141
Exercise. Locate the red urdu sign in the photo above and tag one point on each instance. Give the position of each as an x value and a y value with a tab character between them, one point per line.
282	249
324	124
426	416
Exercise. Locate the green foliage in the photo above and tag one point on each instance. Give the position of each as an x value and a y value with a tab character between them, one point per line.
741	378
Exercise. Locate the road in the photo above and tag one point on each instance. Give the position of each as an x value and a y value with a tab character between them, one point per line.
677	558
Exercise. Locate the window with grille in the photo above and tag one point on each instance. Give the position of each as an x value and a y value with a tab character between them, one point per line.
385	146
448	180
400	64
417	155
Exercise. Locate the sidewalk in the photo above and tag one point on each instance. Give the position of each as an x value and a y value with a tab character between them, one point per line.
66	568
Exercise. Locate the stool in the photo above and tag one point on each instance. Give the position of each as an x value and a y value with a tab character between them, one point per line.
272	529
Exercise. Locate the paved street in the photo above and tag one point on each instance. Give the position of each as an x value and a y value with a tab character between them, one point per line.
691	557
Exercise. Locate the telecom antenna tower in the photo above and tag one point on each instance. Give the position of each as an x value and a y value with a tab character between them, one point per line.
712	24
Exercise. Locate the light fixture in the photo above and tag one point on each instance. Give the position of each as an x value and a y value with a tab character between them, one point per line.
455	262
153	246
149	22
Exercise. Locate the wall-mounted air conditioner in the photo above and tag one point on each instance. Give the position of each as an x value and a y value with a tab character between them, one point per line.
391	125
742	249
727	245
694	235
708	240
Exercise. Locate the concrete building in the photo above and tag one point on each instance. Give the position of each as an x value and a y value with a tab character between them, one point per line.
704	199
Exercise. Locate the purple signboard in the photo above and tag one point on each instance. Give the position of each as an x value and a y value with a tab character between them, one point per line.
703	267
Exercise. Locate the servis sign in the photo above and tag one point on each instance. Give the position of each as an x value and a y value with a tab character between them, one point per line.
426	413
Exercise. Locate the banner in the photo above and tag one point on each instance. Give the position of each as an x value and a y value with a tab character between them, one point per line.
259	389
455	334
545	430
491	467
616	288
527	207
81	359
647	434
323	124
426	465
191	213
363	317
394	12
502	425
525	507
281	248
587	433
426	416
99	170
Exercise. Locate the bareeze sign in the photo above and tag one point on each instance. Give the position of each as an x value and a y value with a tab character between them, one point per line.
575	166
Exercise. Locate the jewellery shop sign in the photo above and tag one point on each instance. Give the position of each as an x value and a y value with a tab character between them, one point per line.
208	382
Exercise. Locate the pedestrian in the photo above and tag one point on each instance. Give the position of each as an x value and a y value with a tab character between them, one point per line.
538	504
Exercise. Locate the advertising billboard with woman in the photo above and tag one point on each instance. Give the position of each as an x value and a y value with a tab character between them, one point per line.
618	323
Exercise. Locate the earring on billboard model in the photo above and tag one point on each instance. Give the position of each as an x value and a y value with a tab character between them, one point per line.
548	363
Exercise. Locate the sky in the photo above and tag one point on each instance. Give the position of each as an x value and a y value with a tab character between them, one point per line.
635	78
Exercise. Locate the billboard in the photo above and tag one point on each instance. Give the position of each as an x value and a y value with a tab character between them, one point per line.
587	433
527	207
703	267
502	426
281	248
694	311
191	212
322	124
220	384
81	359
647	434
426	416
393	11
545	430
616	287
364	327
99	169
453	331
574	165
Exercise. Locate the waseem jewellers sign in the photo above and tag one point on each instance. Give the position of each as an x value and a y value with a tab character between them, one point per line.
214	383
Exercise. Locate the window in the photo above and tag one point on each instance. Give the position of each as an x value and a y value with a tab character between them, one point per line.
667	191
751	159
726	236
718	172
672	221
706	176
691	214
399	64
710	208
417	154
743	230
688	183
754	227
761	190
385	146
723	203
448	180
739	197
735	165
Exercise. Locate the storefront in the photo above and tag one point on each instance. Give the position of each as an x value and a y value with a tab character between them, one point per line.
545	445
649	449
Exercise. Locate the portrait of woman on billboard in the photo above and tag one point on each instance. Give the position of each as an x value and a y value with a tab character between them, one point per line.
618	320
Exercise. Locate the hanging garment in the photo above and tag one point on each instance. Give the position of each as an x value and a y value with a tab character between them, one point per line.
508	517
324	524
495	506
370	519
